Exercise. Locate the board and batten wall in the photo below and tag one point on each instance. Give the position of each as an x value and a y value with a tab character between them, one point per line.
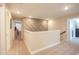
35	24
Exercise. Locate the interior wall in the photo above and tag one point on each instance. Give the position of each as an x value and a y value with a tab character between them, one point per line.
46	38
8	29
35	24
4	30
12	34
57	24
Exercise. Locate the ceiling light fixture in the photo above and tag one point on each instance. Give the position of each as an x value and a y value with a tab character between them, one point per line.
66	8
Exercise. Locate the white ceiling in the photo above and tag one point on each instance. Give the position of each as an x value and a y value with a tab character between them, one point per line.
42	10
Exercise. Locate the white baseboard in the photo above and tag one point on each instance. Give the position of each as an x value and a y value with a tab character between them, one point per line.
41	49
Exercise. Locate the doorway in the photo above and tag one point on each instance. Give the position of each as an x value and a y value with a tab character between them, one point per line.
73	31
18	29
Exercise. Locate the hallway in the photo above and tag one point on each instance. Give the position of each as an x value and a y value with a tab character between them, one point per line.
18	48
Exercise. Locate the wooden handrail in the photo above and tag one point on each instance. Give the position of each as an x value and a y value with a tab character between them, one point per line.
62	32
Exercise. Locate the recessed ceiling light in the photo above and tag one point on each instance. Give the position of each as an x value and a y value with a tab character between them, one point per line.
66	8
47	19
30	16
18	12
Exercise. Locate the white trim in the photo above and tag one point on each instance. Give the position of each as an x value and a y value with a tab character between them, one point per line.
41	49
